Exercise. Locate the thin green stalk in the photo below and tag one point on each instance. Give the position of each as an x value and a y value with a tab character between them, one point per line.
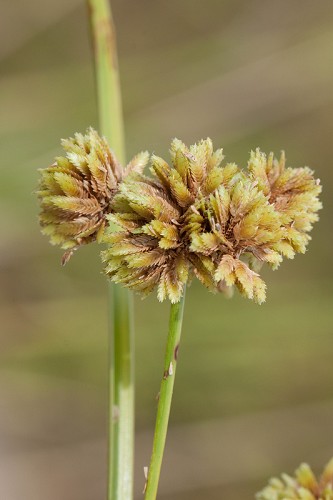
121	338
165	398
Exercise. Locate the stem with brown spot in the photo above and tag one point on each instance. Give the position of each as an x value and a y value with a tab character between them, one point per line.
165	398
121	338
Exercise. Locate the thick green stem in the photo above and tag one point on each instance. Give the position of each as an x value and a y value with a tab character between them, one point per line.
107	76
121	338
165	398
121	410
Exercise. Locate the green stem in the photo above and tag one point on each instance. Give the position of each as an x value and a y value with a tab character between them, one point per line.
121	338
121	399
165	398
107	76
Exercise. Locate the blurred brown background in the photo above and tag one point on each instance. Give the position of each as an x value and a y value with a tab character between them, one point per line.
254	386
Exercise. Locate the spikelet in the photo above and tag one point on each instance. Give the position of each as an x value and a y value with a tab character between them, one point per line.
294	194
77	190
303	486
236	220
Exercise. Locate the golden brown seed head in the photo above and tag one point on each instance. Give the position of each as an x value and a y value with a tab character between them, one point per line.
236	221
216	223
77	190
294	194
303	486
152	249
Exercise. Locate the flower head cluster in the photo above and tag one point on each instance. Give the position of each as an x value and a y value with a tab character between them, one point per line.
77	190
155	216
193	217
294	195
304	486
198	218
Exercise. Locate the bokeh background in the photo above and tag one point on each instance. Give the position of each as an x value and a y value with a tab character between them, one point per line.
254	386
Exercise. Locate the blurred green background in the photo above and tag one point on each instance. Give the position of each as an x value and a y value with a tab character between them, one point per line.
254	386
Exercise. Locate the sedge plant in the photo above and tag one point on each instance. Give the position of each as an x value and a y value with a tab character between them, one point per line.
195	217
192	217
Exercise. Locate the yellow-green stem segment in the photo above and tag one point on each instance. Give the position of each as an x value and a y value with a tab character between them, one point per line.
121	339
121	409
165	398
110	111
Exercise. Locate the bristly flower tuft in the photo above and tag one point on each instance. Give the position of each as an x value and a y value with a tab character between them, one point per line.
152	248
77	190
294	194
197	218
304	486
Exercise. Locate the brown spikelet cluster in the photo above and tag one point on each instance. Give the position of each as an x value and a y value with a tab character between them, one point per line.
303	486
194	217
153	247
293	192
77	190
237	220
198	218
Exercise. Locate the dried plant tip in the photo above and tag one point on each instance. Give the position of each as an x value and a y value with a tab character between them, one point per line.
67	256
303	486
76	192
145	472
